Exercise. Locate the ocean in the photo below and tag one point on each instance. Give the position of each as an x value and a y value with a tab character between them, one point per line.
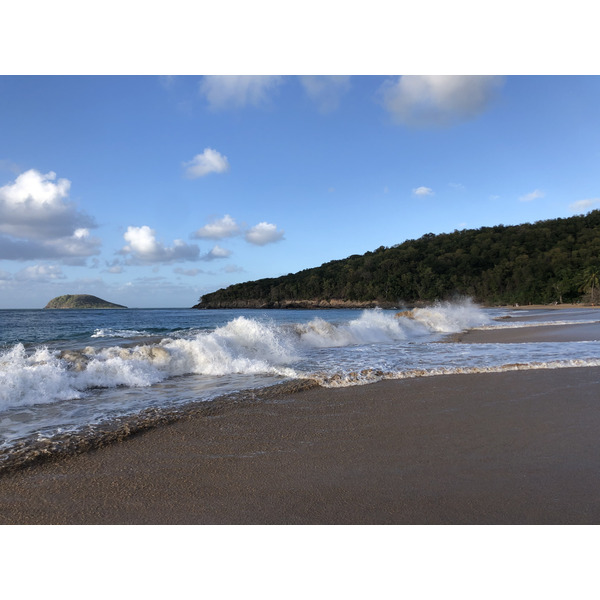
67	374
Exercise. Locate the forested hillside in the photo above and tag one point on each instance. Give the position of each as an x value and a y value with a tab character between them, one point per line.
548	261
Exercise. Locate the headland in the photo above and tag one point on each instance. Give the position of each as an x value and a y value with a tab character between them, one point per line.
78	301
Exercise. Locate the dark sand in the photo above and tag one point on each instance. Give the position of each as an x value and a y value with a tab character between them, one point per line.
514	448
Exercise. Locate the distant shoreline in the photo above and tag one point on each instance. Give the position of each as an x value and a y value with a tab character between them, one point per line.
349	304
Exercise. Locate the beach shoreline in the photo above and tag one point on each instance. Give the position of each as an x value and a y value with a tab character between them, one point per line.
551	306
514	447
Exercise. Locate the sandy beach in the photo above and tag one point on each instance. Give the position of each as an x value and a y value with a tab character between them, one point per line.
492	448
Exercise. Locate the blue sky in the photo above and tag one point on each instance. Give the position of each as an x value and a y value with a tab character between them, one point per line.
150	191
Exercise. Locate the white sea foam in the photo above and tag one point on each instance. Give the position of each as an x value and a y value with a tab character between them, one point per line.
254	347
28	378
377	326
108	332
242	346
447	317
370	376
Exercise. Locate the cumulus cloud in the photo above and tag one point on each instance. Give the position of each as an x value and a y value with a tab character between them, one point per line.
581	206
325	90
144	248
217	252
238	91
35	206
210	161
38	221
260	235
72	250
423	191
532	196
438	100
264	233
218	229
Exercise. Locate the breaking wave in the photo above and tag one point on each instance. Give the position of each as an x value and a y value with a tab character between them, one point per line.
242	346
50	390
380	327
375	344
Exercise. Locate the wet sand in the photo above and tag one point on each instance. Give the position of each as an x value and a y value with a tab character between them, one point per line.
511	448
576	332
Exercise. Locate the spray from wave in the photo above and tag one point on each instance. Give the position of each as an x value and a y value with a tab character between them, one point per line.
243	346
381	327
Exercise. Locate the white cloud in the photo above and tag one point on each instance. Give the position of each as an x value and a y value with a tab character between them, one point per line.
218	229
35	206
210	161
260	235
438	100
39	222
532	196
581	206
144	248
71	250
237	91
40	273
264	233
423	191
217	252
325	90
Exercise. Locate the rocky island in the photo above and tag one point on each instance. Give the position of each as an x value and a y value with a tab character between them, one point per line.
80	301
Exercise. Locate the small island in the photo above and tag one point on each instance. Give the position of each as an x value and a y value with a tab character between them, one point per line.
80	301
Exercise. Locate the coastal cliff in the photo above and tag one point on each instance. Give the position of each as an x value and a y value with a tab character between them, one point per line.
80	301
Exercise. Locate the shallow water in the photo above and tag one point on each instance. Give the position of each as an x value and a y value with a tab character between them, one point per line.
63	371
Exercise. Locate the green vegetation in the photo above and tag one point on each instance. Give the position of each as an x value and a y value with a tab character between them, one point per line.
591	284
544	262
80	301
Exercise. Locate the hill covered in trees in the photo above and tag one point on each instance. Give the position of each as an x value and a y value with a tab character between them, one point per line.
80	301
556	260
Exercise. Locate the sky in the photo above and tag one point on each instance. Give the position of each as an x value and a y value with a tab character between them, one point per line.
165	182
150	191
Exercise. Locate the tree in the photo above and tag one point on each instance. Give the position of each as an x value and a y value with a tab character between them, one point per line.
591	282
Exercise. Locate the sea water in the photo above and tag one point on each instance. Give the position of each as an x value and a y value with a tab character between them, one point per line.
64	371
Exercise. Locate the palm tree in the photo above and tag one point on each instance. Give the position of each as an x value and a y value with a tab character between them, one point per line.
591	282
